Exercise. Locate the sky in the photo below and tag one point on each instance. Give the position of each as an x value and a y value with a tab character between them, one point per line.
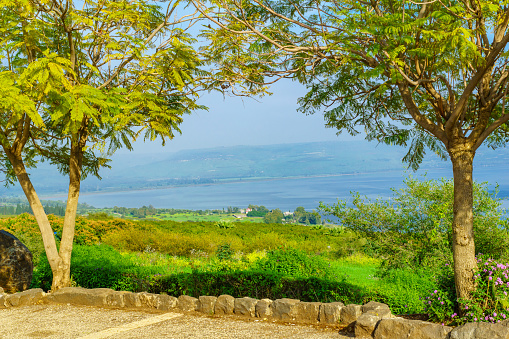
232	121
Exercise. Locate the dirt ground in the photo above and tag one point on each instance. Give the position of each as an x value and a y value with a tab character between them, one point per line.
82	322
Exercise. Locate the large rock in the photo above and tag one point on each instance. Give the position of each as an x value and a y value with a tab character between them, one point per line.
330	313
245	306
481	330
399	328
206	304
187	303
284	309
307	312
224	304
16	265
365	325
376	308
263	308
349	314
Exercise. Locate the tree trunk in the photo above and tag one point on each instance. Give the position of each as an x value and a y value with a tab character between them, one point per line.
465	264
63	275
48	237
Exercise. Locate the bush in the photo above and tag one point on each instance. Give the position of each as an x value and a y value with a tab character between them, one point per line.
413	228
258	285
293	263
97	266
224	252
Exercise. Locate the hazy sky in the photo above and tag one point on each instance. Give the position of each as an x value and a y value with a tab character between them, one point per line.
243	121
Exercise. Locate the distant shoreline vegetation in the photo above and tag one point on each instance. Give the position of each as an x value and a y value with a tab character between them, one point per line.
253	213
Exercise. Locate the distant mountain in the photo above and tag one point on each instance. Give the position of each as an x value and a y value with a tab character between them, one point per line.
202	166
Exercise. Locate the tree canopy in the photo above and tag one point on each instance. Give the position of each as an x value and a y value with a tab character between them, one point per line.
80	80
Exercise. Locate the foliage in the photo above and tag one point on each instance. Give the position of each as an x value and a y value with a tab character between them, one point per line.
257	211
293	263
490	300
226	224
274	217
176	238
97	266
413	228
224	252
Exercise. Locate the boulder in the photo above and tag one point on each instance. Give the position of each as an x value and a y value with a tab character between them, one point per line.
224	304
330	313
165	302
187	303
25	298
399	328
263	308
365	325
98	297
16	265
481	330
349	314
284	309
245	306
206	304
307	312
376	308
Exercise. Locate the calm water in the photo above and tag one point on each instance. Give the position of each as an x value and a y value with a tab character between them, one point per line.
286	194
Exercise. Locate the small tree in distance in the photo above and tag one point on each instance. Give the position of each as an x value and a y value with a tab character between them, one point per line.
423	74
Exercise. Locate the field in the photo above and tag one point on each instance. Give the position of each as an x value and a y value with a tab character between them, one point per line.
199	258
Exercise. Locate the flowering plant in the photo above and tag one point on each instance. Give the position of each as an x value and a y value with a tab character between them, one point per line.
490	300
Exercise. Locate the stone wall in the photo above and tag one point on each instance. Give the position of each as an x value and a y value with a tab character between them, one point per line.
372	320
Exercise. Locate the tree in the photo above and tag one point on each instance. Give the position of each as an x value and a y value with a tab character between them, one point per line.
78	81
274	217
423	74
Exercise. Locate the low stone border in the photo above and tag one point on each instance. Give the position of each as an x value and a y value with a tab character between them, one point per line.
372	320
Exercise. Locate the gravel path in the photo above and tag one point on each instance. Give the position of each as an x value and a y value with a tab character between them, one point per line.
68	321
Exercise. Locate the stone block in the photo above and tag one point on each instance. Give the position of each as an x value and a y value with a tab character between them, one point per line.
399	328
187	303
81	296
148	300
378	309
224	304
365	325
245	306
16	266
25	298
307	312
349	314
263	308
481	330
131	300
206	304
330	313
3	301
284	309
166	302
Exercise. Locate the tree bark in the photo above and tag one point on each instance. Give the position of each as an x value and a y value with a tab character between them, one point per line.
48	238
463	247
62	278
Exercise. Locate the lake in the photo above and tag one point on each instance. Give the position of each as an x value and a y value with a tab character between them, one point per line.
285	194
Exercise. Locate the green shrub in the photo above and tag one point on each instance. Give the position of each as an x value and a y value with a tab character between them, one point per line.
224	252
259	285
413	228
293	263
